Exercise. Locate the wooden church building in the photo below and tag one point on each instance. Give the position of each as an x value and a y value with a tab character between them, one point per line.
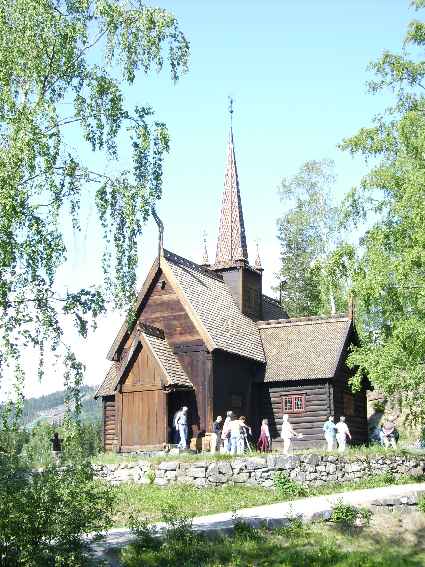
207	337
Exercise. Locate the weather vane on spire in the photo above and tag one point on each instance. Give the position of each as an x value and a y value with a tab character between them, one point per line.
231	110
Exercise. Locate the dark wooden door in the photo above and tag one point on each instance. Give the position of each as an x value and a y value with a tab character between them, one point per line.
143	418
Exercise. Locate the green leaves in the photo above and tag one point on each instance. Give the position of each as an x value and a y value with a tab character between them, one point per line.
388	281
315	266
62	68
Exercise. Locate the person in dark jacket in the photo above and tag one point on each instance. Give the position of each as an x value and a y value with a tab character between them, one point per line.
216	434
56	446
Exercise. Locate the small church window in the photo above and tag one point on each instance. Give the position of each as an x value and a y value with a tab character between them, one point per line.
294	403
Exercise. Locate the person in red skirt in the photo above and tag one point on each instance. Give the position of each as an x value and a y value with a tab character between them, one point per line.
264	443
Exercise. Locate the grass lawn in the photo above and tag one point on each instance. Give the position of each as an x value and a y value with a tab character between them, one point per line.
351	453
393	539
148	501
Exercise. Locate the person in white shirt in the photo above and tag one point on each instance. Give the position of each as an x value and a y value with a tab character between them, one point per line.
287	433
342	432
181	422
225	432
235	435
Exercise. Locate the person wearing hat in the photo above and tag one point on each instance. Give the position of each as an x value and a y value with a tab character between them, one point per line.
389	434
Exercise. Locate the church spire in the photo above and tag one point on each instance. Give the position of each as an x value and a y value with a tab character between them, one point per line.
257	264
231	244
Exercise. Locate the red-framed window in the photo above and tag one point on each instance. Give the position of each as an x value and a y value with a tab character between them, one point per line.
293	403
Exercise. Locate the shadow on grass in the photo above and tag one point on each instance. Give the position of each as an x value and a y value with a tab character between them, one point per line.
293	547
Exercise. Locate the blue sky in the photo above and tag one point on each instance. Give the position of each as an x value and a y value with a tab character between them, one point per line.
297	72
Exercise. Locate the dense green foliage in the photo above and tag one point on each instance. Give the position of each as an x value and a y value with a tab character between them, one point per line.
43	516
389	279
63	64
315	262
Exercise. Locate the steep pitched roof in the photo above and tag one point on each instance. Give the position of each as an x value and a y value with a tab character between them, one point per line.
153	339
231	243
272	309
213	309
305	348
107	387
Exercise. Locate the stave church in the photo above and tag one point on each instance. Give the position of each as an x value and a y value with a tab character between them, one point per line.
206	336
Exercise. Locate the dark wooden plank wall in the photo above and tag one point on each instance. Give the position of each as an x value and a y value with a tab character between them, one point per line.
357	423
144	373
109	425
144	420
318	396
233	376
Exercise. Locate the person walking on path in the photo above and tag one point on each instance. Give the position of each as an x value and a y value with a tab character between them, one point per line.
225	433
330	432
216	434
181	422
264	443
342	432
56	447
287	433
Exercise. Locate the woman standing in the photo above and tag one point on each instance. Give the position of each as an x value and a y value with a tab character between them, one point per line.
264	442
287	433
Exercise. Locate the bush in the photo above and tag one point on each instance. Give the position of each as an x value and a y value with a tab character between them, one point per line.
347	516
43	516
287	487
379	406
421	504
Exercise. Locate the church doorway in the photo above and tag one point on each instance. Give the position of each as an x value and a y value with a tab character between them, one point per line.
176	400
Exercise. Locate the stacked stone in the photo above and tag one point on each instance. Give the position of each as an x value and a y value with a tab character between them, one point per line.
309	469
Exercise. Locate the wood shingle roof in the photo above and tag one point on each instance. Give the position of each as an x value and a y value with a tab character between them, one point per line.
212	302
305	348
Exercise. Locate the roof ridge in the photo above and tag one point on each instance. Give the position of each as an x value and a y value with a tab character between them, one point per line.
303	320
271	299
181	260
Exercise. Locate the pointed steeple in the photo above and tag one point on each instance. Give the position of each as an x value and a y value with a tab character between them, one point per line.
257	263
205	261
231	244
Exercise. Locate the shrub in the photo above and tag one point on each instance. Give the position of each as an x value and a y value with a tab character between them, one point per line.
421	504
43	516
379	406
347	515
287	487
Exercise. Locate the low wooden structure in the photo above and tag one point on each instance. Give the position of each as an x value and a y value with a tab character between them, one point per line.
206	336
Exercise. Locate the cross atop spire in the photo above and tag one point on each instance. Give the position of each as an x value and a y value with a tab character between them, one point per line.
231	244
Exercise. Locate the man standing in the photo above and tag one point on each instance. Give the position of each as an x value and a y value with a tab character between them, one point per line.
342	432
56	447
181	422
330	432
225	433
287	433
216	434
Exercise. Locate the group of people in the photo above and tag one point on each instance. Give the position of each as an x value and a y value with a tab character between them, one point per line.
336	433
230	436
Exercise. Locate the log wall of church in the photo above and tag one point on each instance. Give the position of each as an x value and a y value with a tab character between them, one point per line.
317	406
109	423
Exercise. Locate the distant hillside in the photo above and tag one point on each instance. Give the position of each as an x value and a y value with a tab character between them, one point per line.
51	408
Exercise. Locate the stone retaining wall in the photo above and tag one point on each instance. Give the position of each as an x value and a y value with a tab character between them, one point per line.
308	469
